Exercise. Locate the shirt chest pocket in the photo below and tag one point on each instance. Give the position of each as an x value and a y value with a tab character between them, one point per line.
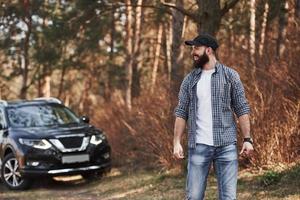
226	97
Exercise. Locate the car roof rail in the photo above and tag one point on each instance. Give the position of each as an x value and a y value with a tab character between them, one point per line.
3	102
50	99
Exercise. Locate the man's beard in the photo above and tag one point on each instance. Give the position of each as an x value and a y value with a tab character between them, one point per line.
203	59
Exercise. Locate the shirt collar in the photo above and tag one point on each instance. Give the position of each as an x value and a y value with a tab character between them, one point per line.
217	66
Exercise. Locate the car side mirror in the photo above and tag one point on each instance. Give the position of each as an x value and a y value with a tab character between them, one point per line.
85	119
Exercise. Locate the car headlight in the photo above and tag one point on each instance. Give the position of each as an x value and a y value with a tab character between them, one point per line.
36	143
97	139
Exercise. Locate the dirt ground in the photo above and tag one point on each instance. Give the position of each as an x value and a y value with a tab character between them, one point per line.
152	185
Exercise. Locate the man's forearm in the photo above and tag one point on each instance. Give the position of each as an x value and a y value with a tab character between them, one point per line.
179	129
245	125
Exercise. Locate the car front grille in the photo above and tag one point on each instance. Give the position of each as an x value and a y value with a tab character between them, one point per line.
71	142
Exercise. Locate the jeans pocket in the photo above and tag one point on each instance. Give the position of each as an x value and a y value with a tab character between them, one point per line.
229	152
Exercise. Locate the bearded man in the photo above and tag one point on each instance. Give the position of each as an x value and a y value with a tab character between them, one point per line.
209	97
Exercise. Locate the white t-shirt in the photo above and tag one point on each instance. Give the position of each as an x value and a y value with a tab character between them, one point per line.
204	130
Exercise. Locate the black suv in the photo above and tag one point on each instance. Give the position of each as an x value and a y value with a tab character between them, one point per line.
44	137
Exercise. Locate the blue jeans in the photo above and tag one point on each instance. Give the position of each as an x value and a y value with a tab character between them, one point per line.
225	162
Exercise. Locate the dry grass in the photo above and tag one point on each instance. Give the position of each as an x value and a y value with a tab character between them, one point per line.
144	135
152	185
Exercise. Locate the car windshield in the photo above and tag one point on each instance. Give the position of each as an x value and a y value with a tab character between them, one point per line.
40	115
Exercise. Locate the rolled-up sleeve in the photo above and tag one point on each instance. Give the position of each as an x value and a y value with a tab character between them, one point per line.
181	109
239	102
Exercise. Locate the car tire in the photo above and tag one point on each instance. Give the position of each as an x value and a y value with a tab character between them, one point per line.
10	174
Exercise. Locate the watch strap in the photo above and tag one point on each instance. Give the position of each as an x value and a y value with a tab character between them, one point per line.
248	140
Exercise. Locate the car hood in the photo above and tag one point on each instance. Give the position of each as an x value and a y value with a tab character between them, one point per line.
54	131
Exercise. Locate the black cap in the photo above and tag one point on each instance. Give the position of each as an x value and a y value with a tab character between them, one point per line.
203	39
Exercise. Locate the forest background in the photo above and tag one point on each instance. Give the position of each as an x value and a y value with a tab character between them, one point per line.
122	62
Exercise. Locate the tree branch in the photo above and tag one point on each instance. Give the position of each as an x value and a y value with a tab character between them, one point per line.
193	16
228	5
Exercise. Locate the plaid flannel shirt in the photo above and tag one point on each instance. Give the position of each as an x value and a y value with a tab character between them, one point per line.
227	98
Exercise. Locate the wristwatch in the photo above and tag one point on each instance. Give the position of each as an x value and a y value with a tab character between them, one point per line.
248	139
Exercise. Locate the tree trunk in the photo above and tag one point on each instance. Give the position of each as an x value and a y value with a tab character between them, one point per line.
156	56
263	30
231	41
136	51
24	58
108	87
252	52
252	37
177	60
61	83
283	20
297	8
47	86
84	100
40	84
112	34
209	16
67	99
44	82
128	64
169	36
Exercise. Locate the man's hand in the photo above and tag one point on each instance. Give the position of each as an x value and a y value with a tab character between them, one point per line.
247	149
178	131
178	151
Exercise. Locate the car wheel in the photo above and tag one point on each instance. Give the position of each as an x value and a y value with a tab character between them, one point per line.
11	175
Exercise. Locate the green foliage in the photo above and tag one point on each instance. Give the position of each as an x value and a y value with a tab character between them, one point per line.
61	33
270	178
295	173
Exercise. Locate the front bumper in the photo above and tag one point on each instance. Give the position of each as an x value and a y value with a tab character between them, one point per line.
66	171
50	162
80	169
